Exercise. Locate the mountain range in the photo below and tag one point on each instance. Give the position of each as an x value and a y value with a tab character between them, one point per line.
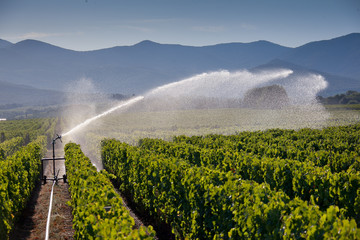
31	71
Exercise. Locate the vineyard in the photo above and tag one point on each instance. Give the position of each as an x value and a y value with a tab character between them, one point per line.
28	129
18	176
264	184
267	184
23	143
91	193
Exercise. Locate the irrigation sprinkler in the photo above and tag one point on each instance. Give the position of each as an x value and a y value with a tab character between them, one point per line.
55	178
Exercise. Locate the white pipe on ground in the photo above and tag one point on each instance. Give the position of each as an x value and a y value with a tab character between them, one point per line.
49	214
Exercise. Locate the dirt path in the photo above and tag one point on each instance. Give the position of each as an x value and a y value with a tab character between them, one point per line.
32	222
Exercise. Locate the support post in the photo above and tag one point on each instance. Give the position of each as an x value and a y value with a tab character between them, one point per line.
53	143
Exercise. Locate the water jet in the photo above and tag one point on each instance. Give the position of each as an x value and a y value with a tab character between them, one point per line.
207	103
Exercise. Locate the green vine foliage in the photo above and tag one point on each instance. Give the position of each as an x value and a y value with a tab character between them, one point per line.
9	147
28	129
91	191
18	175
245	155
260	185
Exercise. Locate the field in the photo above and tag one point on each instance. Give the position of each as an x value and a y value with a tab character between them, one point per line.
280	184
23	144
208	173
187	182
130	127
165	124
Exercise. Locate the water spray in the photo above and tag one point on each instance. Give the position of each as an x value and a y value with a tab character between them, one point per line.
219	84
225	89
204	84
88	121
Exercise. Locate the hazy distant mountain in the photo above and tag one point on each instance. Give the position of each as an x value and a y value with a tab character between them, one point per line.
339	56
4	44
127	69
26	95
138	68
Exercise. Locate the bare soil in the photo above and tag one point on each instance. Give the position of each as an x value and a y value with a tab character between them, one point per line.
32	221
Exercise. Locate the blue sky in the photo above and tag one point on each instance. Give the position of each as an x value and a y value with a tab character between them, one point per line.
96	24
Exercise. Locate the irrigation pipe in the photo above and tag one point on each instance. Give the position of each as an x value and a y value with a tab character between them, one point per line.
49	214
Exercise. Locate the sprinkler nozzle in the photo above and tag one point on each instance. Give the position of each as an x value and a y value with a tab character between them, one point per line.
57	137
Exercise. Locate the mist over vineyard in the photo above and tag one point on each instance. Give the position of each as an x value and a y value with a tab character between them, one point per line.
193	106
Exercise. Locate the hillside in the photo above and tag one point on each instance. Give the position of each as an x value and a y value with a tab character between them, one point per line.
338	56
26	95
4	44
140	67
126	69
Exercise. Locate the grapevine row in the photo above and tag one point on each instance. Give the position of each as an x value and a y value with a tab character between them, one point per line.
28	129
336	147
97	209
18	175
9	147
295	178
207	203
